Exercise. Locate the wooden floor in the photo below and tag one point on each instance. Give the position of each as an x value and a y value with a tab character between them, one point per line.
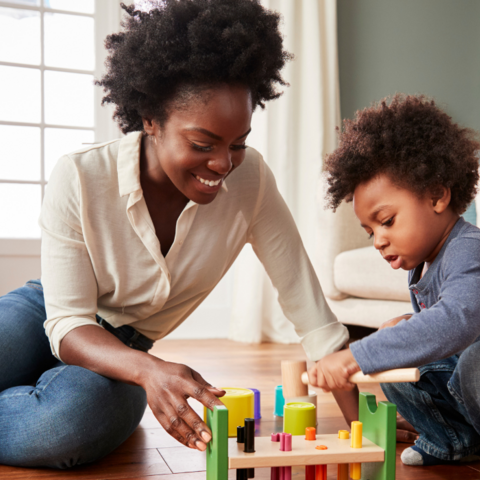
150	453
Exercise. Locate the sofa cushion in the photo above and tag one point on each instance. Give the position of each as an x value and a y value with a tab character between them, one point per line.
364	273
367	312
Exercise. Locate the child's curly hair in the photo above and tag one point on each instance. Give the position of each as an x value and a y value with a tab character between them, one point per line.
412	141
180	45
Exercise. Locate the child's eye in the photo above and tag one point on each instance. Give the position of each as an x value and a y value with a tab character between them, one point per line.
200	148
371	235
388	222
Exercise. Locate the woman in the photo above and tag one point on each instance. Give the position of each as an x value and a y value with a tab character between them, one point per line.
137	232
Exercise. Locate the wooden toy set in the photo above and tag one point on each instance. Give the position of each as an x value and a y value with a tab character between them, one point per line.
368	455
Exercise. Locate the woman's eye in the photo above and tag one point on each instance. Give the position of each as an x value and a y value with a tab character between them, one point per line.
388	222
238	147
200	148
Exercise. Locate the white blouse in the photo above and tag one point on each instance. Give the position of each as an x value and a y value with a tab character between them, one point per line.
100	253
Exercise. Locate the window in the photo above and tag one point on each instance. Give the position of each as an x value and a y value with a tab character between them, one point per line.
50	53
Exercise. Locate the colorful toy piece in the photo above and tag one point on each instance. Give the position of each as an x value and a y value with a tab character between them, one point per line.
377	452
379	426
257	415
356	468
298	416
240	404
217	448
279	401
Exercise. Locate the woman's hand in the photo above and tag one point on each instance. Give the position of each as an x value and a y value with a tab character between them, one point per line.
394	321
168	385
332	372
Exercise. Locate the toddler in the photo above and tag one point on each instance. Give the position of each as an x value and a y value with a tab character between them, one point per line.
410	173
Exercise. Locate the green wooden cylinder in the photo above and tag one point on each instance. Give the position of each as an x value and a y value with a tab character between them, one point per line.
297	416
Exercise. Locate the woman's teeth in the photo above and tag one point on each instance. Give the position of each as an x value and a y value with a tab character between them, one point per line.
210	183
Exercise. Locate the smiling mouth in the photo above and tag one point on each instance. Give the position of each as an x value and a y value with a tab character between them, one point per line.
209	183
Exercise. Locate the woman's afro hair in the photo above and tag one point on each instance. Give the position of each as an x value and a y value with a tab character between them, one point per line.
190	44
412	141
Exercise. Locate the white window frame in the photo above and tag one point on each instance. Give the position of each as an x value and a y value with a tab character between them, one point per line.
107	18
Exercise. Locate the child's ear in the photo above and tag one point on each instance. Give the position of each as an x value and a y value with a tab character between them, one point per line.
441	197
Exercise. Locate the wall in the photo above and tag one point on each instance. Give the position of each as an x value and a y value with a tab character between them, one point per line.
411	46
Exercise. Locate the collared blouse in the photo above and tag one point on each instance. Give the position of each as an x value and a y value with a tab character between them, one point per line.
101	255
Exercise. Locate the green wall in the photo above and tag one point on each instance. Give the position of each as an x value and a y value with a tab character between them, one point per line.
411	46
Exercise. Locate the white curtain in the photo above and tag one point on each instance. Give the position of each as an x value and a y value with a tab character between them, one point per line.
293	134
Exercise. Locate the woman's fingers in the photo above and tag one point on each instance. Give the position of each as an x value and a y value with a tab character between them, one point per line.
180	422
218	392
204	395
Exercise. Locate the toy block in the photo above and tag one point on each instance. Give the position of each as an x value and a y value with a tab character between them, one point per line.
298	416
379	426
304	452
217	448
240	404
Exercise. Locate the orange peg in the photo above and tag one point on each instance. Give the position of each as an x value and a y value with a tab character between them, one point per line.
342	472
310	433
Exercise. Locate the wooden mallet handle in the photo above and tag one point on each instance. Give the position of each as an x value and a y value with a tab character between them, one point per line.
398	375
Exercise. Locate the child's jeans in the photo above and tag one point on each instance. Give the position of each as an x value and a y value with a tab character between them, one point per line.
52	414
444	406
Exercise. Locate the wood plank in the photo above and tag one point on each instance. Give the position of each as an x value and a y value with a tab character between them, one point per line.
183	459
268	454
227	363
113	466
147	438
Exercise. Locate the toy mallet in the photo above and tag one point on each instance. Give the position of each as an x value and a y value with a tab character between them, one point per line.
399	375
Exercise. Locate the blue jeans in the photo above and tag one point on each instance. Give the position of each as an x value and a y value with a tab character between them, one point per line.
52	414
444	406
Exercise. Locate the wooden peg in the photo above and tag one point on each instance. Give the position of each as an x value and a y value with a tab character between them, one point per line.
292	378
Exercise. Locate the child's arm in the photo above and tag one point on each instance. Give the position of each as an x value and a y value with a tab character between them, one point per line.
347	400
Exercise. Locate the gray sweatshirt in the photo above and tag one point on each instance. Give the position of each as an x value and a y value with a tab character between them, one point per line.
446	302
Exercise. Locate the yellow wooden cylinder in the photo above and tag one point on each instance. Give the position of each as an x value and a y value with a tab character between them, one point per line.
356	471
357	429
240	405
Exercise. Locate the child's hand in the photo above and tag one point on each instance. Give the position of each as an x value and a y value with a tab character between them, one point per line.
332	371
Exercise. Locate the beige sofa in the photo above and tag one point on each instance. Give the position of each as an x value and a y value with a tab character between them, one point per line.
361	288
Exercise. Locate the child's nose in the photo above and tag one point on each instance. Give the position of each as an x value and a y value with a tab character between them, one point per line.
380	241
